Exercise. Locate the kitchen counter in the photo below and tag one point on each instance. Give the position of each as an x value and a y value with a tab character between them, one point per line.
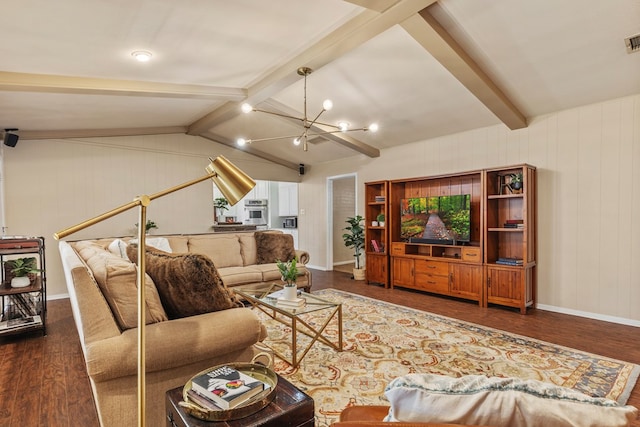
233	227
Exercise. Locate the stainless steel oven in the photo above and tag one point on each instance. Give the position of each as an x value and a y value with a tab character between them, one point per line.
255	211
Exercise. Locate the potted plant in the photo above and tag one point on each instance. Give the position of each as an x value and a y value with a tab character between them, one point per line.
516	181
150	225
354	238
289	272
380	219
23	271
220	205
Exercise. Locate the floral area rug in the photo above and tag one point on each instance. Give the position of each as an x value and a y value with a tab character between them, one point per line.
382	341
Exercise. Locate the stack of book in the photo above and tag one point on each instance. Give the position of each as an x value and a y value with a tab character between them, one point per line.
379	198
291	303
224	388
509	261
514	223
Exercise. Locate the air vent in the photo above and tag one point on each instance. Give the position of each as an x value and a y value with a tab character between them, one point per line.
633	43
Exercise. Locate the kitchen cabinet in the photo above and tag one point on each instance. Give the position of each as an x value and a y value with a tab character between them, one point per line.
288	199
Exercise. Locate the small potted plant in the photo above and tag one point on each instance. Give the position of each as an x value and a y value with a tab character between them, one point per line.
354	238
220	205
23	271
150	225
289	272
380	219
516	181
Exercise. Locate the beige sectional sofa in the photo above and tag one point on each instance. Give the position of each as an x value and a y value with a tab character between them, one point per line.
101	286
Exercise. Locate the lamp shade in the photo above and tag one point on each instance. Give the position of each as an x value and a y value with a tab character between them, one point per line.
231	181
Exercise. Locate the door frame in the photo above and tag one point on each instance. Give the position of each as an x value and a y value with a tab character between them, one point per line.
330	219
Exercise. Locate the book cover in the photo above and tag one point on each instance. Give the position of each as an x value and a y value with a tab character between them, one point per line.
226	387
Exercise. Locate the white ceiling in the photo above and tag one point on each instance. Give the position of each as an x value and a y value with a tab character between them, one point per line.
420	68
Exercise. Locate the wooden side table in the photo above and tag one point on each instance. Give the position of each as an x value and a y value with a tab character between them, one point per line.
290	407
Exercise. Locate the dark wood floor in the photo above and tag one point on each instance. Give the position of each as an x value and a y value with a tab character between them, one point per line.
43	380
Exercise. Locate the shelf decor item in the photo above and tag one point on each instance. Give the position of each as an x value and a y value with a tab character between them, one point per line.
380	219
516	181
354	238
232	182
23	271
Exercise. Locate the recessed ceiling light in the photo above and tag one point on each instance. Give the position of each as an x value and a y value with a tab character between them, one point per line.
141	55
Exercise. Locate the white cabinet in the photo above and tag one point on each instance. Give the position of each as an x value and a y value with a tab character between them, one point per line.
260	191
288	199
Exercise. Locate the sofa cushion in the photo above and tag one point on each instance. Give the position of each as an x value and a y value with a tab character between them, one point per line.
272	247
248	248
116	278
477	399
224	251
179	244
188	284
232	276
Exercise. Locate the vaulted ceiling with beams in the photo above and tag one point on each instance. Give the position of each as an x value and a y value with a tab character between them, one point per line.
419	68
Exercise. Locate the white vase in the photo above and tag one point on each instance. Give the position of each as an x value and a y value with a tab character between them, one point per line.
20	282
290	292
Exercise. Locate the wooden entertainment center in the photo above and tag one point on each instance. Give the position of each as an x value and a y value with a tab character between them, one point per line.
495	265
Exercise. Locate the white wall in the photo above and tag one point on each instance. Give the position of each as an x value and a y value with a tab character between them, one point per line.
588	162
54	184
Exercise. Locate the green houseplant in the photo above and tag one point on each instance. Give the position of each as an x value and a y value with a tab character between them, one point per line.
380	219
289	272
354	238
23	271
516	181
220	205
150	225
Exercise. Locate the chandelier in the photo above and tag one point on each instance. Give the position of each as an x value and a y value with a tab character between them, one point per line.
307	124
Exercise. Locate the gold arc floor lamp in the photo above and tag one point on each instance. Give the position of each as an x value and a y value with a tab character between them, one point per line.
233	183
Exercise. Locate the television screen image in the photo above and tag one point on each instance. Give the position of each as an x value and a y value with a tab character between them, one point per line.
436	220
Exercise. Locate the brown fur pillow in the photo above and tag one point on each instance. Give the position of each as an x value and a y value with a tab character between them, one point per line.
274	246
188	284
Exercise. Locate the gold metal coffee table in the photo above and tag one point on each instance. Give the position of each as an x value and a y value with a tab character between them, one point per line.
261	298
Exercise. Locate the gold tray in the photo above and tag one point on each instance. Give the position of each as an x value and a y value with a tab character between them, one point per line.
245	409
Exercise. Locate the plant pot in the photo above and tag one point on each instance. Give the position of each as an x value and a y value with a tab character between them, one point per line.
381	223
359	273
290	292
20	282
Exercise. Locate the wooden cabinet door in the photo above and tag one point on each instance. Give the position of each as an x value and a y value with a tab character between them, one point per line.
504	286
377	269
466	280
403	272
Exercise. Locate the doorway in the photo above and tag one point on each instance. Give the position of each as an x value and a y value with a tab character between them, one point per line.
342	202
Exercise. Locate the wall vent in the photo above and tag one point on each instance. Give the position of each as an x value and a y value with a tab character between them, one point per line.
633	43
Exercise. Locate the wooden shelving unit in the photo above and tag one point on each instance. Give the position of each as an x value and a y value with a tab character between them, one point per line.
377	236
498	263
510	237
23	309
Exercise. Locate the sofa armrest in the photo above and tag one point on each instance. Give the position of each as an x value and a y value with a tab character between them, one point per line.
303	256
175	343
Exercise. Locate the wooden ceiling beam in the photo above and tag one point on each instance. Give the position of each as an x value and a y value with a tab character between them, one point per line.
424	28
98	133
48	83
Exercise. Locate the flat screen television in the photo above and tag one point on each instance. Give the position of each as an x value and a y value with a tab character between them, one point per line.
444	220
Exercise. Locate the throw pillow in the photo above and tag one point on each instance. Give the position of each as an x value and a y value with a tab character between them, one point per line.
117	278
480	400
274	246
188	284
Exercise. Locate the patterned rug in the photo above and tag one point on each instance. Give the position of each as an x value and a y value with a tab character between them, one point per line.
382	341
